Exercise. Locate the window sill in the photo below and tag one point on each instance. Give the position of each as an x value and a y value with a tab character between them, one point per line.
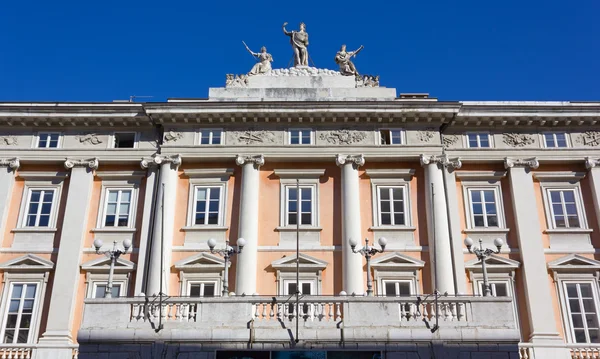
393	228
302	229
114	230
568	230
34	230
204	228
486	230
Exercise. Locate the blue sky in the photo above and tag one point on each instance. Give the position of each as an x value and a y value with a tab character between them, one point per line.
454	50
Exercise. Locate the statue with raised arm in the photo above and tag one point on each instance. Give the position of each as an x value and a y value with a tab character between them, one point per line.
299	41
264	61
343	57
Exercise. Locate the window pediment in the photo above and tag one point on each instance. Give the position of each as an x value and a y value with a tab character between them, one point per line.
574	263
202	262
27	263
494	263
103	265
397	261
307	263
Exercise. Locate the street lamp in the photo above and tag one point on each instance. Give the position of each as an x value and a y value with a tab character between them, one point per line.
226	253
113	254
368	251
482	255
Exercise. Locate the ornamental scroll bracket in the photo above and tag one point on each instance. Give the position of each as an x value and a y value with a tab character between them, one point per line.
591	163
356	160
91	163
528	163
256	160
452	164
11	163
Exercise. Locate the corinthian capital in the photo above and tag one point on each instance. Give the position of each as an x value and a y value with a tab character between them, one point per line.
528	163
356	161
91	163
442	161
257	160
591	163
12	163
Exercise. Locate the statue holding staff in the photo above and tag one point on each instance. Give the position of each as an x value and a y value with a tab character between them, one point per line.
264	61
299	41
343	57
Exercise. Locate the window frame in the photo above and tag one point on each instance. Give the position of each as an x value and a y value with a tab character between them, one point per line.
411	285
36	140
553	134
376	184
547	187
34	310
478	134
99	276
404	200
96	284
470	186
25	204
132	202
115	185
299	211
211	136
566	309
202	282
379	138
493	282
285	184
112	140
193	199
312	281
301	129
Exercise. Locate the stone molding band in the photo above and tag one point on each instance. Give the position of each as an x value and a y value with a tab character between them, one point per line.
451	163
91	163
591	163
528	163
12	163
257	160
355	160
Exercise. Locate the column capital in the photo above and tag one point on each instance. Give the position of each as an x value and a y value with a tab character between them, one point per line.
156	160
451	163
528	163
355	160
12	163
591	163
91	163
257	160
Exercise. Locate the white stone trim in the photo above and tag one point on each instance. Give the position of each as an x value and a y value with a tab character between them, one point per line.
92	280
542	139
288	136
290	175
193	189
116	186
311	270
40	185
576	188
480	175
308	178
396	178
559	176
201	268
491	184
396	267
561	283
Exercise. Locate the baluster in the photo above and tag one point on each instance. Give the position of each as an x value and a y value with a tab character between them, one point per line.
523	353
409	313
178	312
460	311
75	354
264	311
255	310
272	312
447	314
403	314
453	311
134	311
330	315
338	312
311	312
278	310
425	311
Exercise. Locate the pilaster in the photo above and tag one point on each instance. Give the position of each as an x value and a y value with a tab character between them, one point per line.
8	168
246	269
352	264
593	166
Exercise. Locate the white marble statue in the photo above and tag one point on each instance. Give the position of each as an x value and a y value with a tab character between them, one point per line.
299	41
343	57
264	61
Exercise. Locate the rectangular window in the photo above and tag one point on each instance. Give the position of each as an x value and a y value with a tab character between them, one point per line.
583	312
300	137
304	210
118	207
39	207
478	140
484	212
208	205
499	289
100	290
395	288
390	136
210	137
555	140
48	140
203	289
563	207
124	140
306	288
19	313
392	206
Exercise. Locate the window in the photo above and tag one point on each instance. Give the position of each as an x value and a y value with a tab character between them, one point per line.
300	137
392	206
499	289
48	140
202	289
583	312
390	137
210	137
19	313
306	288
304	210
564	208
207	210
117	211
100	290
124	140
555	140
484	212
396	288
478	140
39	207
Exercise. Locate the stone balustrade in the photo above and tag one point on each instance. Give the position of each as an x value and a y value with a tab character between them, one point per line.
576	351
25	351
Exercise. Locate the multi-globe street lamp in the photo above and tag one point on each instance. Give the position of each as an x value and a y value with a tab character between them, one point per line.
368	251
482	255
113	254
226	253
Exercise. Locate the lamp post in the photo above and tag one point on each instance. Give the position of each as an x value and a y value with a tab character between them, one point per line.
482	255
368	251
113	254
226	253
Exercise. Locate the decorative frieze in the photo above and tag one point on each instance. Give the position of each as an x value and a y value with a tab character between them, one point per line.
12	163
172	136
517	139
343	137
91	163
233	81
257	160
530	163
355	160
252	137
589	138
9	140
451	163
449	140
426	135
367	81
89	139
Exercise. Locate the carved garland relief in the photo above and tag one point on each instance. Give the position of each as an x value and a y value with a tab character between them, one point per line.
343	137
253	137
589	138
517	139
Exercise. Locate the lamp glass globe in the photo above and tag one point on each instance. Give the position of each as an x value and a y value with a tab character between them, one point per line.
98	244
127	244
212	243
353	242
382	241
468	242
498	242
241	242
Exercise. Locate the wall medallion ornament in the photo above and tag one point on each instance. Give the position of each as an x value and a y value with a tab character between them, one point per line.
89	139
589	138
9	140
173	136
517	139
449	140
343	137
252	137
426	135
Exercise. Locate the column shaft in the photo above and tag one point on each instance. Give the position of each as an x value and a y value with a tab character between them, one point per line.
7	180
146	226
455	225
594	178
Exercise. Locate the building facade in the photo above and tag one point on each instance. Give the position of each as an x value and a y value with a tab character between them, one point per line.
314	158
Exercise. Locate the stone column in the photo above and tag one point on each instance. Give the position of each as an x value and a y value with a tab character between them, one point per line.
8	168
535	274
594	177
151	166
437	221
162	236
247	262
67	271
352	263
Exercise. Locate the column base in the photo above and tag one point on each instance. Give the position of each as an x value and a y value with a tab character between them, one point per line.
550	353
55	338
54	353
